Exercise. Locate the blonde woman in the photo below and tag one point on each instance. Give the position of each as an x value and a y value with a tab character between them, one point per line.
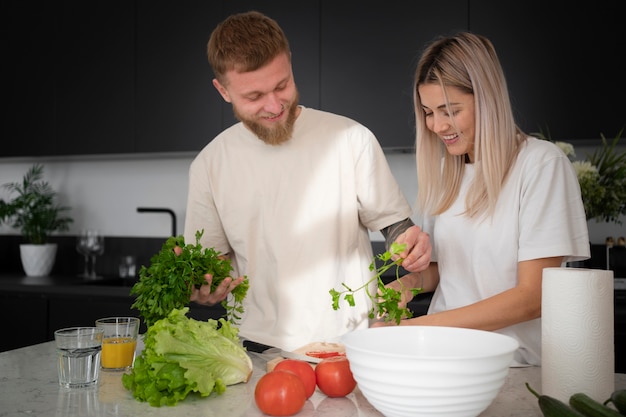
498	204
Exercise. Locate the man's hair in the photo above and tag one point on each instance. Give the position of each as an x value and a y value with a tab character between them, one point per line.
245	42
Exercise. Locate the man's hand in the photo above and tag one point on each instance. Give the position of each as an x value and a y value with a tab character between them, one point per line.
418	249
203	295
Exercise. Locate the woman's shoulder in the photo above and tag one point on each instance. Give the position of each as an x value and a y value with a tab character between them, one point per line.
539	148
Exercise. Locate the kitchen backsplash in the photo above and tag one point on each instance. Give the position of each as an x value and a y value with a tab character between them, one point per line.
104	193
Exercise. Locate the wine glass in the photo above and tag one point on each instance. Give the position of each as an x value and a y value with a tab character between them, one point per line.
81	247
95	247
90	243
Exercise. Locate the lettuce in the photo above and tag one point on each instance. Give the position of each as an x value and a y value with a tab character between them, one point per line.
183	355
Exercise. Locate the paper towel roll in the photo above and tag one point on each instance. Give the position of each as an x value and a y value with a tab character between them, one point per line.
577	340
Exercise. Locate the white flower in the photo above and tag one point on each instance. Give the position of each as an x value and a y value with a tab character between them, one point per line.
567	148
602	178
584	169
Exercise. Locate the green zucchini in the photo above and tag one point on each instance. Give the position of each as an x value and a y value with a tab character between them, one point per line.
551	407
618	398
590	407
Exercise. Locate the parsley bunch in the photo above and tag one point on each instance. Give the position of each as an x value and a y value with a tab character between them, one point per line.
167	283
385	302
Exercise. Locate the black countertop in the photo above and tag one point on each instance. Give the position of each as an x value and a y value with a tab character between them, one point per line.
104	287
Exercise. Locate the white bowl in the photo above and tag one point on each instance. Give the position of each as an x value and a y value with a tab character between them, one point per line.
414	371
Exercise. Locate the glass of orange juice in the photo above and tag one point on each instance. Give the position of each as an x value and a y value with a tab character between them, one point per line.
119	342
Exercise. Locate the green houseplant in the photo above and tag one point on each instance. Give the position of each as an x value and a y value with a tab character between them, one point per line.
602	179
35	212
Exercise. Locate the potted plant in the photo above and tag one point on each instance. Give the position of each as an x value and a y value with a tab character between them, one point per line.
602	179
36	214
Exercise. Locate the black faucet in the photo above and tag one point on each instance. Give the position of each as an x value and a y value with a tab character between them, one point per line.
160	210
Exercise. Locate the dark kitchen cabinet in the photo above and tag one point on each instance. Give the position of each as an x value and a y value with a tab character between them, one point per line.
84	311
70	88
132	76
95	76
25	320
560	62
177	107
368	57
28	92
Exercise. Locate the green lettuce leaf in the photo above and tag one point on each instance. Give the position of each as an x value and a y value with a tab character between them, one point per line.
183	355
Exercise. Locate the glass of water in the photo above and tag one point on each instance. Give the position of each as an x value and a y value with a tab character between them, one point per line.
78	355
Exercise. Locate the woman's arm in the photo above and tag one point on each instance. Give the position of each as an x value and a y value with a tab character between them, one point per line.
518	304
427	280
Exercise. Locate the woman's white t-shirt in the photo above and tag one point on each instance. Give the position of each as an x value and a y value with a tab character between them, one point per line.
539	214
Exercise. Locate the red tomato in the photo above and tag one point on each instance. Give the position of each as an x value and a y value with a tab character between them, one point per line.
334	377
304	371
323	354
280	393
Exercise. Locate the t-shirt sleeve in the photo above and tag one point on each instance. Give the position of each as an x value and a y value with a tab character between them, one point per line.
552	217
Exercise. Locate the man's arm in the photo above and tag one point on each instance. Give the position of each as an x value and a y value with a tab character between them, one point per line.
392	232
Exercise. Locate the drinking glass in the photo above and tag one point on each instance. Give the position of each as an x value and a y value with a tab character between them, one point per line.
90	243
95	247
81	247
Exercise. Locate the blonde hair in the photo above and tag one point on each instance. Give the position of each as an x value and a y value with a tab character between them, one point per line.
468	62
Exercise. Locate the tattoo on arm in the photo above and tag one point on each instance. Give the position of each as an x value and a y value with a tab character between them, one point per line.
391	232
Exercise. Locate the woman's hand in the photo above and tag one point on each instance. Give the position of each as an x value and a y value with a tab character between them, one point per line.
418	249
203	295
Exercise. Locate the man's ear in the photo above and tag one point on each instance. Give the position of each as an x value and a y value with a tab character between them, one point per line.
220	88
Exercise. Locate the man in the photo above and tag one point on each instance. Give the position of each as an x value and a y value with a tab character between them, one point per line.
289	194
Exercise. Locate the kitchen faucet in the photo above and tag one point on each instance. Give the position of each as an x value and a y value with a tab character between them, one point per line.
160	210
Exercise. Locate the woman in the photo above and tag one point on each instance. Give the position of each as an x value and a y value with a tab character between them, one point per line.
499	205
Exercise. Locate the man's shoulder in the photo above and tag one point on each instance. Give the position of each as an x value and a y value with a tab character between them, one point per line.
318	114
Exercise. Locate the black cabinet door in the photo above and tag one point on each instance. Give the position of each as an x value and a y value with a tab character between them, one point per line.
560	62
95	74
368	55
177	106
29	39
26	320
73	311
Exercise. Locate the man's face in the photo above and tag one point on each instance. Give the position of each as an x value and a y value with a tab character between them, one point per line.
265	100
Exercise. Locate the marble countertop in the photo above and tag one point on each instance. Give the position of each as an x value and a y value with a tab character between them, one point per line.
29	387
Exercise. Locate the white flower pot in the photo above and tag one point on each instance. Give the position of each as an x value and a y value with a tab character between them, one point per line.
38	260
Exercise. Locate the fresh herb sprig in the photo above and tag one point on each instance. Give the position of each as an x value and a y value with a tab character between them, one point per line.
167	283
385	301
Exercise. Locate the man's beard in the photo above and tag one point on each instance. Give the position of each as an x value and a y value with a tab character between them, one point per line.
277	134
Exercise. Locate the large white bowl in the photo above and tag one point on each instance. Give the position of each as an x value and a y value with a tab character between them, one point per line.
414	371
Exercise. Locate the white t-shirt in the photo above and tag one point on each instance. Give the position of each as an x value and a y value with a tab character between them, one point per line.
539	214
295	220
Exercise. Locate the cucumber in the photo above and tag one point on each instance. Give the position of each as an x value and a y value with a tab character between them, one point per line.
551	407
590	407
618	398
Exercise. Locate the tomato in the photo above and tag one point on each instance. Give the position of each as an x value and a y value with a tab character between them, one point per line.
334	377
323	354
280	393
304	371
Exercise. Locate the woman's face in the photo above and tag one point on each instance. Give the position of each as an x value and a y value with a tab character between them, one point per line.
440	120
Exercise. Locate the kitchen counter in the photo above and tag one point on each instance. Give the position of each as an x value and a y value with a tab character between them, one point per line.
28	386
49	285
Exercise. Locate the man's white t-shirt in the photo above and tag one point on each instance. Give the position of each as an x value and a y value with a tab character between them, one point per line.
294	219
539	214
